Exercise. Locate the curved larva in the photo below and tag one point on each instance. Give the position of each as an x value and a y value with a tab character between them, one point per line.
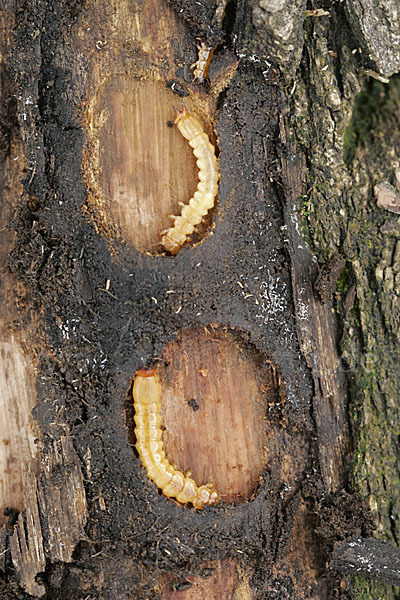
204	197
173	483
200	67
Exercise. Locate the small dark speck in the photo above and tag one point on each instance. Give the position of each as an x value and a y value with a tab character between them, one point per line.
207	572
12	514
170	124
178	88
192	402
179	587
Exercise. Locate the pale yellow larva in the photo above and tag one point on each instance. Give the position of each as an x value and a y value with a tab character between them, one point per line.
173	483
204	197
200	67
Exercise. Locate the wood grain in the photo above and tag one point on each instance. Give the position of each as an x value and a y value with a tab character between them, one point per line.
227	580
26	544
17	437
55	515
142	171
137	166
302	562
318	331
17	356
213	411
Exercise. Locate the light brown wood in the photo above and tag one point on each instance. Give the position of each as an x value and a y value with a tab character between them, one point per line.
137	165
141	171
227	581
213	411
17	354
26	544
17	437
57	494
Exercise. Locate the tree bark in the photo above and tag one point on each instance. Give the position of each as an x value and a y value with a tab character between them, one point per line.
275	329
373	558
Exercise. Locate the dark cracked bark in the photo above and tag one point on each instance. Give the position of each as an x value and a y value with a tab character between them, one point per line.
275	330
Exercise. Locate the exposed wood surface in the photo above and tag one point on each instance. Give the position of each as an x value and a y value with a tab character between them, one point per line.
17	354
213	411
63	500
138	166
55	514
17	397
26	544
301	561
147	167
317	330
225	580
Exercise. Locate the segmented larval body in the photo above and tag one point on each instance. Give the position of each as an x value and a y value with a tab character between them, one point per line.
204	197
202	63
149	444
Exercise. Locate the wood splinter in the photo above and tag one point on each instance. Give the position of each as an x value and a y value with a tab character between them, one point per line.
200	67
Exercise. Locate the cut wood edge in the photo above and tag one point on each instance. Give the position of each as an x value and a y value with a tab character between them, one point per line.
137	165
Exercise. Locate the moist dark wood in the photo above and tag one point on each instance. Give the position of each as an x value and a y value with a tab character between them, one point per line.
17	327
225	579
318	334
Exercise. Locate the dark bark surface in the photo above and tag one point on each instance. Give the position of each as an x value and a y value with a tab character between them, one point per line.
372	558
295	192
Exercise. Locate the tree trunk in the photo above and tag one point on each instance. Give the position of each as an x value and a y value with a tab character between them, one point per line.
274	330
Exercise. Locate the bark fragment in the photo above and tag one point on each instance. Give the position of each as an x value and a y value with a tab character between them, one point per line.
272	32
378	559
376	26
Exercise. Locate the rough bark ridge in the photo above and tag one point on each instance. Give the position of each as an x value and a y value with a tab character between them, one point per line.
295	191
340	214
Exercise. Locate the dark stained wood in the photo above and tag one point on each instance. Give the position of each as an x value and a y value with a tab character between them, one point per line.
327	278
301	562
217	394
17	350
318	330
